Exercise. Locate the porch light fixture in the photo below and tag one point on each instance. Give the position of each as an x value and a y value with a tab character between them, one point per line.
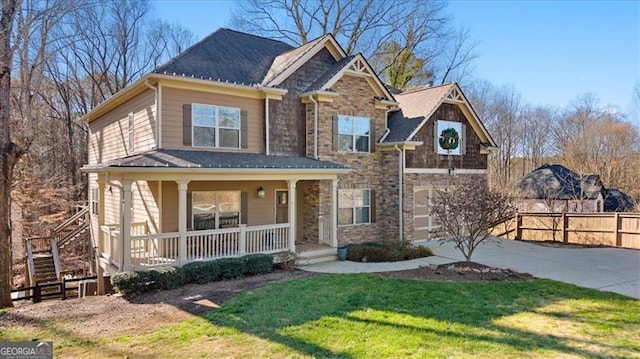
261	192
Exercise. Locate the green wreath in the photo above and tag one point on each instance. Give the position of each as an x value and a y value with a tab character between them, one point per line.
449	139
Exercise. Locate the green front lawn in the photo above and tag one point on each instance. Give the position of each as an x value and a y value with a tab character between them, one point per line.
364	316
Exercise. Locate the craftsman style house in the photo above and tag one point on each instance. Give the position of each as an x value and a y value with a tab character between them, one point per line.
243	144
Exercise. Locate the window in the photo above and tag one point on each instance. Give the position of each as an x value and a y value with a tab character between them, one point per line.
215	126
131	132
354	206
213	210
94	201
353	134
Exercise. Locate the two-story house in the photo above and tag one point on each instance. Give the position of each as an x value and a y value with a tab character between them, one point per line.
244	144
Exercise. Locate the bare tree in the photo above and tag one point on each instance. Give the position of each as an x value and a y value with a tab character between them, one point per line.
419	27
468	211
536	137
591	139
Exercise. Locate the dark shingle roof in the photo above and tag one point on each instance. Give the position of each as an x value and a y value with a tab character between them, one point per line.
227	55
400	127
210	159
559	182
617	201
328	75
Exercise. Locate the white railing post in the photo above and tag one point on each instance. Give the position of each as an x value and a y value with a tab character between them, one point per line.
242	239
125	232
334	213
320	230
182	220
292	214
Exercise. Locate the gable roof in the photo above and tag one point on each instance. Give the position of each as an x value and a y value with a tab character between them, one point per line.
227	55
288	63
165	158
558	182
422	103
329	74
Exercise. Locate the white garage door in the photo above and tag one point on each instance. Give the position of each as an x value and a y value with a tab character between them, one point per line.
424	224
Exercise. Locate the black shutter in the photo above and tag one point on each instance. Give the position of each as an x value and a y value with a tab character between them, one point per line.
372	136
244	129
335	133
189	210
372	203
463	140
244	207
186	124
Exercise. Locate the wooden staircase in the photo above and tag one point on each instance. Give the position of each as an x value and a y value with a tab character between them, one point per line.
43	258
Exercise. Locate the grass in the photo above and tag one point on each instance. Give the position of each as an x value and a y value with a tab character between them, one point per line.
364	316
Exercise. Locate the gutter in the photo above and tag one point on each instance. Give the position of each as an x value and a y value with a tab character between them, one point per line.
157	95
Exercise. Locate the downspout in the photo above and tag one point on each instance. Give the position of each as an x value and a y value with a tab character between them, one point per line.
266	124
386	123
401	190
315	127
155	90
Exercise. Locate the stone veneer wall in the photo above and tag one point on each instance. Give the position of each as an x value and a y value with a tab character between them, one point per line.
311	210
287	125
413	180
369	170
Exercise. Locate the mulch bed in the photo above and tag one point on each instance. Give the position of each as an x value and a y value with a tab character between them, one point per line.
460	272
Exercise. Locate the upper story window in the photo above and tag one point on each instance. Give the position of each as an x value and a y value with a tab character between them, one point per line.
353	133
215	126
131	138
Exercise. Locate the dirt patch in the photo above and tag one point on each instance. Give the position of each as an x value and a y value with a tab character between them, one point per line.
113	315
557	244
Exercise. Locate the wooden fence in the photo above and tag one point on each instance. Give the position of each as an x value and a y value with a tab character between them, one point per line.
608	229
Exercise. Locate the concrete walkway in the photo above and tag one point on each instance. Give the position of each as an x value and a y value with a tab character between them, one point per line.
608	269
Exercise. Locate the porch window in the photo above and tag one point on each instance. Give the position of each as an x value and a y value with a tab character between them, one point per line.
353	134
215	126
94	201
214	210
354	206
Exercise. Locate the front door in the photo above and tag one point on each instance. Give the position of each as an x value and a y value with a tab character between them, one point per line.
282	206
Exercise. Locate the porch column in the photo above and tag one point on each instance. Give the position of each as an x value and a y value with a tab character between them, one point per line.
125	226
334	213
100	246
182	219
292	214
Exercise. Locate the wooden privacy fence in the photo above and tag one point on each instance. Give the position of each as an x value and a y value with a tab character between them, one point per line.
609	229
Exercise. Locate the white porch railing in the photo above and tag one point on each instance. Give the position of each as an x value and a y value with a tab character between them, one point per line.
324	231
109	242
164	249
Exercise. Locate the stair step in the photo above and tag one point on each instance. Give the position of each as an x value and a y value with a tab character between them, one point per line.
321	258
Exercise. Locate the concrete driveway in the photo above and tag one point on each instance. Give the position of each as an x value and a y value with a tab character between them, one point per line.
608	269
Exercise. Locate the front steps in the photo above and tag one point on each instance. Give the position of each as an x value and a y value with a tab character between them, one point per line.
312	256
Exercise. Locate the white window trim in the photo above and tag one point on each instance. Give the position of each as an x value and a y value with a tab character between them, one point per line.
354	207
354	135
216	127
95	205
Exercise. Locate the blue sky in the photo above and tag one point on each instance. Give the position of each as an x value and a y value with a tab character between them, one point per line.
549	51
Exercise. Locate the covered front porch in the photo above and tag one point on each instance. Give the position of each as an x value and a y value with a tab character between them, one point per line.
176	221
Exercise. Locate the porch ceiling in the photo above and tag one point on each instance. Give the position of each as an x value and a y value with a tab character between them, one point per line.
165	160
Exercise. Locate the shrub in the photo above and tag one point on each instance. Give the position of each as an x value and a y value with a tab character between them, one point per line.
258	264
201	272
165	277
231	268
287	261
385	252
129	282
